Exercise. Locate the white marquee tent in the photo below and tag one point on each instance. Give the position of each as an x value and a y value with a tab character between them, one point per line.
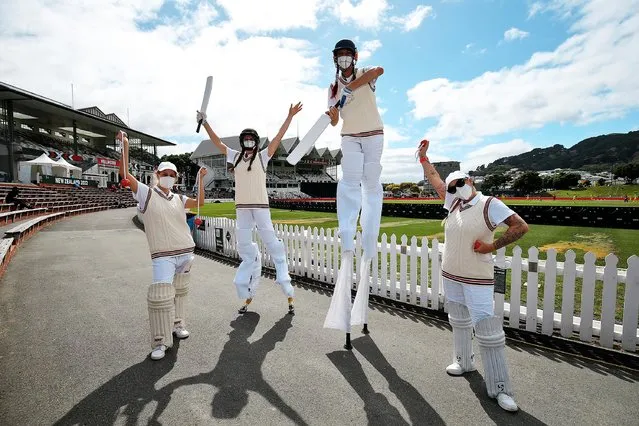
72	171
28	170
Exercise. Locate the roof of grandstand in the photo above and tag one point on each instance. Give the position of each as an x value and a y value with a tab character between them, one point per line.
207	149
91	121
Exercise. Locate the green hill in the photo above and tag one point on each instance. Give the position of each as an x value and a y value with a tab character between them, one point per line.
595	154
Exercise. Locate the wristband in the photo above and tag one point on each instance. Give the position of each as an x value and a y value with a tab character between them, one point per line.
423	159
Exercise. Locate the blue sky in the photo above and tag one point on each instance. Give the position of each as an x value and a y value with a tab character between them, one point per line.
480	78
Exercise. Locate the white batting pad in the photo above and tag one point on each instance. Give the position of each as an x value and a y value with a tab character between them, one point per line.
460	321
492	340
181	284
161	307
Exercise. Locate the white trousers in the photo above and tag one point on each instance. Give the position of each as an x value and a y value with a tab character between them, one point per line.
246	221
477	298
250	218
165	268
360	188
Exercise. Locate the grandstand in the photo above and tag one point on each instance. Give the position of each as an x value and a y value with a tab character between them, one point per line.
314	176
80	141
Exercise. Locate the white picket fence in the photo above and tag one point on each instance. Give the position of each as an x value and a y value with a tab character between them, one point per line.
315	254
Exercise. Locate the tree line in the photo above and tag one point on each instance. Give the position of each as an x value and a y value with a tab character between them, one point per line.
531	182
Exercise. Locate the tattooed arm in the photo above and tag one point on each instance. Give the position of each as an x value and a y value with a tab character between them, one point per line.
517	227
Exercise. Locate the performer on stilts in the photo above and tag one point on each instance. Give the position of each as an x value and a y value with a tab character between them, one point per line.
468	275
171	245
360	187
252	209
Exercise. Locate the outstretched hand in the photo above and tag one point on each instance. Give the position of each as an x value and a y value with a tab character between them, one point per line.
423	147
200	117
120	136
294	109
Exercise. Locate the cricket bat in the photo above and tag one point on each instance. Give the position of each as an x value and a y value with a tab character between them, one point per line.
309	139
205	99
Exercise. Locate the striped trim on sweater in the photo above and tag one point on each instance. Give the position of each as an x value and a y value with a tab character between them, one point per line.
172	252
467	280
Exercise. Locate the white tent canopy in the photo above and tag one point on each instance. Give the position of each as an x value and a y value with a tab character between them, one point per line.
72	171
42	160
28	170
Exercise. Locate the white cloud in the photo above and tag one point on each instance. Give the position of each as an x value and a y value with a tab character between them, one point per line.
589	77
472	50
414	19
374	14
535	8
367	14
367	49
159	72
255	16
489	153
514	34
400	165
562	8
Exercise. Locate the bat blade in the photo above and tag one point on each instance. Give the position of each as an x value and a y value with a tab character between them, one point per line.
307	142
205	99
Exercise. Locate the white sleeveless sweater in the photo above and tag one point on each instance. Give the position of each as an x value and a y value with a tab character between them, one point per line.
361	116
250	185
165	225
464	226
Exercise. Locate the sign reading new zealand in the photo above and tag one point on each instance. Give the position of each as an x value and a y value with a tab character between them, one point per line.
67	181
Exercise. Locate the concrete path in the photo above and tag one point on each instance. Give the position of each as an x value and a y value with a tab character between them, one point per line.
74	350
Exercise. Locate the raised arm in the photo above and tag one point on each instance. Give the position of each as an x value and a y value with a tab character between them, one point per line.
275	143
133	182
429	171
214	138
366	78
192	203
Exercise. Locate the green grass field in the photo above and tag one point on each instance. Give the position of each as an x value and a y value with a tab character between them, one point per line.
601	241
576	203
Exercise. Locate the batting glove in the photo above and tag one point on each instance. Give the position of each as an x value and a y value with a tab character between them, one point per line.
346	97
201	116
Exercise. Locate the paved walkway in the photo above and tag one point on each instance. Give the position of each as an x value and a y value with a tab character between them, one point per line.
74	350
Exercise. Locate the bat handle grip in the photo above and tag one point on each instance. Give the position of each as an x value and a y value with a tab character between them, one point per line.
199	123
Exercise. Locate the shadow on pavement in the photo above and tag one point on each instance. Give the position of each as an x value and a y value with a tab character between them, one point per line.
379	410
124	395
238	371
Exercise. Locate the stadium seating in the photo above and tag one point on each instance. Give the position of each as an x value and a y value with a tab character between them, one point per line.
90	197
54	198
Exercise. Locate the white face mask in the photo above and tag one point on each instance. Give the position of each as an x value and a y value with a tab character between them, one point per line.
167	182
464	192
344	62
249	143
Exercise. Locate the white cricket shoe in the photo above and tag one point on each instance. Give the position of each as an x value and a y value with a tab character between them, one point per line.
180	332
158	352
455	369
507	402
